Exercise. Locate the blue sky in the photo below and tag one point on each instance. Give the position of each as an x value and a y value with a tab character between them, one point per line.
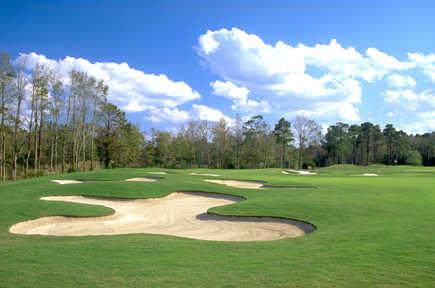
279	60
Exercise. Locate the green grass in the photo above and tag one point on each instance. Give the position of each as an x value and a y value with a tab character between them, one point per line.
371	232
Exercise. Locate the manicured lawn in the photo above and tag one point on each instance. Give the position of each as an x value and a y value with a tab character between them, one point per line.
371	232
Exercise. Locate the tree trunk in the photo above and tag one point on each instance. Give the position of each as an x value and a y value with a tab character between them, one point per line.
63	150
3	136
51	152
283	155
83	150
41	123
15	144
55	144
367	150
300	153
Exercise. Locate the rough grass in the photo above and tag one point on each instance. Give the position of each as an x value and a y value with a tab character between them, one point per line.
372	232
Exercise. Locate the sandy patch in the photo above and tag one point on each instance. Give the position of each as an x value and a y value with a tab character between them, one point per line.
179	214
204	174
141	179
369	174
299	172
158	173
63	182
238	184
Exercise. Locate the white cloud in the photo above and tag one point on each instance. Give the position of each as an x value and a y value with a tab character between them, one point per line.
387	62
229	90
168	114
417	109
425	62
247	59
208	44
410	99
195	113
203	112
131	89
325	110
419	127
252	106
427	115
349	63
399	82
322	81
426	121
288	76
239	95
136	91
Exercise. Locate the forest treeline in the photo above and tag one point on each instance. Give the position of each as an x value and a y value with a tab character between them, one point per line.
297	144
49	127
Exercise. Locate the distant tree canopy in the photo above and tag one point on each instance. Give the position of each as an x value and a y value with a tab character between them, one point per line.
254	144
46	127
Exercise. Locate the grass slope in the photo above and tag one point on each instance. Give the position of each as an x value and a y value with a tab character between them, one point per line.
372	231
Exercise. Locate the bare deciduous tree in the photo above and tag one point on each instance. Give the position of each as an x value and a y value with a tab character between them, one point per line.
307	132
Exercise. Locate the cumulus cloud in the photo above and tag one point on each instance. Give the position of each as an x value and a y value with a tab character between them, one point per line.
409	99
174	115
419	127
314	79
418	108
135	91
196	112
131	89
425	62
203	112
386	62
323	81
239	96
229	90
327	110
399	82
415	106
346	63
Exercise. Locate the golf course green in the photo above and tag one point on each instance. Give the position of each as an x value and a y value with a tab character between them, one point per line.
370	231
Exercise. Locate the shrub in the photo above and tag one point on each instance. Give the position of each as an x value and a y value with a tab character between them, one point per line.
413	157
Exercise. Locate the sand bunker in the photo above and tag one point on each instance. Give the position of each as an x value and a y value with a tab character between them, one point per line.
180	214
369	174
238	183
158	173
204	174
141	179
63	182
299	172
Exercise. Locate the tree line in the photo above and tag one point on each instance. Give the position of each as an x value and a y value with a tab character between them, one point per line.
46	126
297	144
49	127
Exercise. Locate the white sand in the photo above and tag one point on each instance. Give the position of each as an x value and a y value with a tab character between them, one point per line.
369	174
141	179
299	172
158	173
63	182
204	174
237	184
178	214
